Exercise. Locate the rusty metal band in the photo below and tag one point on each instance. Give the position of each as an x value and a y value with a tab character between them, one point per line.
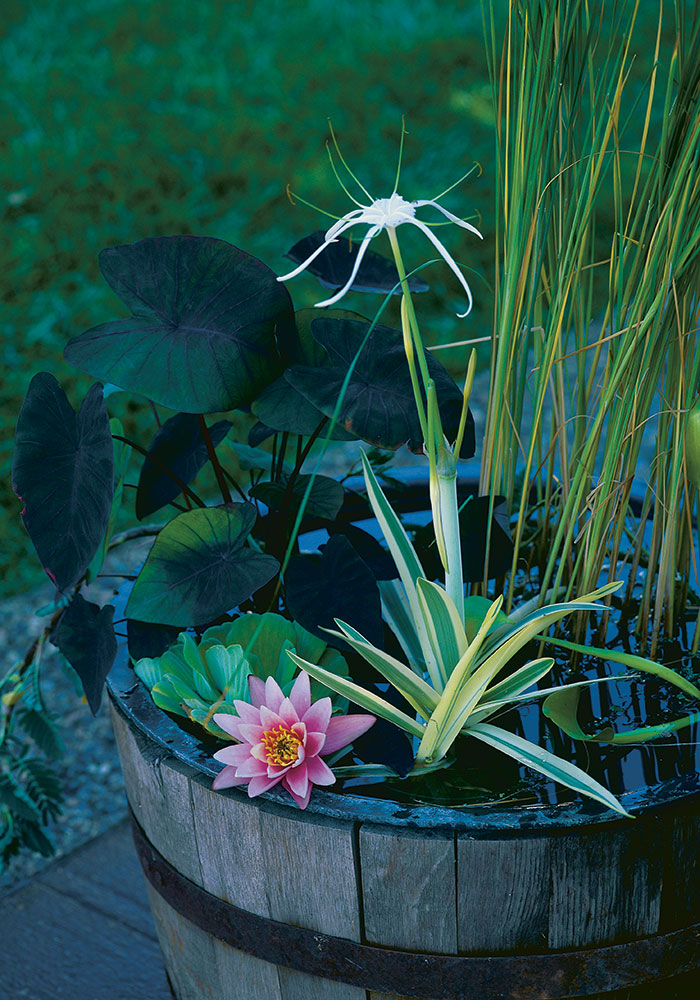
427	976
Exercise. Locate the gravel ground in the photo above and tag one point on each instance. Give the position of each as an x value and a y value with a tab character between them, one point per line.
89	769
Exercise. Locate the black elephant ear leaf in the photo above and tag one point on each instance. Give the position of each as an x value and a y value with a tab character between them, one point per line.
200	567
178	447
258	433
334	266
85	636
203	335
337	585
387	745
368	549
378	403
325	496
63	472
280	405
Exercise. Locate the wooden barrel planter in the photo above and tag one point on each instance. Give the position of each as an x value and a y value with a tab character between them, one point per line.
362	899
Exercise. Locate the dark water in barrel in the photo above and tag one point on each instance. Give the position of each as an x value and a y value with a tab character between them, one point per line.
480	774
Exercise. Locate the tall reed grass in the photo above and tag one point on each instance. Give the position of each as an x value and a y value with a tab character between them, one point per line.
595	333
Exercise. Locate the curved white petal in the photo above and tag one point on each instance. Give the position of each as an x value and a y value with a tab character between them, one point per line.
449	260
314	255
342	222
369	235
448	215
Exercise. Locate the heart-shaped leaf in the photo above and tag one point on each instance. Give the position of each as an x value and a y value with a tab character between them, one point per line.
325	498
378	404
200	567
85	636
334	266
63	472
280	405
336	585
368	549
209	322
179	447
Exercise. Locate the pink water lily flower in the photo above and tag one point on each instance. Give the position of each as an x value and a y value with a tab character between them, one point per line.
282	739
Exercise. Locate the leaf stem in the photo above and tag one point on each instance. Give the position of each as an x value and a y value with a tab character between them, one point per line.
213	458
163	468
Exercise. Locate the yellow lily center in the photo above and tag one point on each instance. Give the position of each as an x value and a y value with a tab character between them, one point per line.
281	746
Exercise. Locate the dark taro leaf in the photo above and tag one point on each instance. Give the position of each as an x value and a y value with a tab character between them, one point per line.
336	585
85	636
63	472
334	266
202	337
378	404
280	405
200	567
473	521
258	433
368	549
149	640
386	744
180	447
325	498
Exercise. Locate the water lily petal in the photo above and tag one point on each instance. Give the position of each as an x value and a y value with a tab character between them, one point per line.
287	712
316	719
274	695
256	686
301	801
227	779
314	743
319	772
299	729
257	786
246	712
251	768
300	695
297	781
229	723
233	755
343	729
269	719
251	733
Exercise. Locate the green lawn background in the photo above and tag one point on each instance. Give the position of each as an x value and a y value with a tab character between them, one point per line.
125	120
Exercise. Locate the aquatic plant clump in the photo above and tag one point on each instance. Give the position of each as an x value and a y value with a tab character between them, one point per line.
198	679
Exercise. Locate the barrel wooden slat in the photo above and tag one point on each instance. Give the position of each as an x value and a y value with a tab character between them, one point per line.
606	888
503	894
230	854
408	889
188	952
680	897
158	789
311	882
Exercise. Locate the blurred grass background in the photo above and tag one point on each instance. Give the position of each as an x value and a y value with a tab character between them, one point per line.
123	121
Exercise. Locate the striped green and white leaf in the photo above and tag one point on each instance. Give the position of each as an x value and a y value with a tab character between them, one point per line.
443	624
406	560
360	696
561	771
397	615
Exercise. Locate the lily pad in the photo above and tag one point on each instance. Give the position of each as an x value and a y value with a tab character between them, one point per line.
200	567
85	636
63	471
180	448
206	320
378	404
334	266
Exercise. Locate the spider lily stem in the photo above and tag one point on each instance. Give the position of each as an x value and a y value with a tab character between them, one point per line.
443	466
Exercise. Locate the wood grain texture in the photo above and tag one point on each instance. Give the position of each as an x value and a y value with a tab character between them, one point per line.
158	790
408	889
606	887
503	894
680	894
189	954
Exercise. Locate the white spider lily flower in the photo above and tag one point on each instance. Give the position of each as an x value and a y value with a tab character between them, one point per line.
387	213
